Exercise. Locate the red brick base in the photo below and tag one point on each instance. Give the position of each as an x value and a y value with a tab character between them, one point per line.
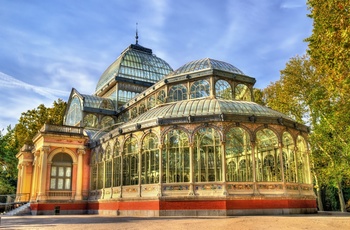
181	207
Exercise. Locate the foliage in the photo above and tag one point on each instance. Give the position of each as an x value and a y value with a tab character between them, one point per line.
8	162
31	121
27	127
329	49
300	94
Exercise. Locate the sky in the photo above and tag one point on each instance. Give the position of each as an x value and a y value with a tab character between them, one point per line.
49	47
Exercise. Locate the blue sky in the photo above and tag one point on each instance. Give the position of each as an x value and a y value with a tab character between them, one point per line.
48	47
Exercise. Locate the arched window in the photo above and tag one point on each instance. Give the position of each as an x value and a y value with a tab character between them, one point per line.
242	92
223	90
107	122
177	93
161	97
108	167
150	160
61	172
288	158
238	150
207	156
100	170
267	156
302	161
200	89
176	159
74	115
130	162
90	121
116	165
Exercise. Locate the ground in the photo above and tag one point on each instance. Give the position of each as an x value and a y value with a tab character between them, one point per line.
318	221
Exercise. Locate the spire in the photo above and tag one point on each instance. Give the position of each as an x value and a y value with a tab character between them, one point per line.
137	35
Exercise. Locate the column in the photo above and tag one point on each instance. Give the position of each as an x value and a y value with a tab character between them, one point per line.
43	171
36	164
223	165
79	175
160	148
192	187
254	171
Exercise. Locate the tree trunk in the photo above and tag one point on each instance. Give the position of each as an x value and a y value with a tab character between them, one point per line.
341	197
319	196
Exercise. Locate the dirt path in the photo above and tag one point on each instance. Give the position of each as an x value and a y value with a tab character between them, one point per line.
67	222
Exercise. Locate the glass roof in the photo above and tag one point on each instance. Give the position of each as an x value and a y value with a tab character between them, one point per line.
97	102
206	63
208	107
138	63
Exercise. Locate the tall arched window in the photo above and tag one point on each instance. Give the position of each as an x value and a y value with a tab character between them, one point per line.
200	89
108	167
177	93
176	159
302	161
61	172
130	162
288	158
90	121
207	156
242	92
267	156
74	115
238	151
116	165
223	90
150	160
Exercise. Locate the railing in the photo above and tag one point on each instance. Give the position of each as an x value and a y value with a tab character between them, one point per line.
61	129
11	201
61	195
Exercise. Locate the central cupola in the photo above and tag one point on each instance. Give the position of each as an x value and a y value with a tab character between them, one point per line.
136	69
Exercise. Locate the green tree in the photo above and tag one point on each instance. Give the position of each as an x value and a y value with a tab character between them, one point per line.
31	121
329	49
8	162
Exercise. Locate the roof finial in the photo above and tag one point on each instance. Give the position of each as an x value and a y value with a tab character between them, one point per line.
137	35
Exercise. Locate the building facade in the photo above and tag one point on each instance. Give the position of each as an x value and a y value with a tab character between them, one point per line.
152	141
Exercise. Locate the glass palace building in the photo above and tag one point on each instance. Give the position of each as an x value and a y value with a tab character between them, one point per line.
153	141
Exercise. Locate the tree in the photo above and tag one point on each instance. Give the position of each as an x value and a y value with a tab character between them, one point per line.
329	49
31	121
8	162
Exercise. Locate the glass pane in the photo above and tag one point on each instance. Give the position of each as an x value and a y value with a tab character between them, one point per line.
67	184
242	92
68	171
60	171
60	184
200	89
53	170
53	183
223	90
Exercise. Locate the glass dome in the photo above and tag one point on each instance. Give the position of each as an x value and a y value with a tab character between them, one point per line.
138	63
207	63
